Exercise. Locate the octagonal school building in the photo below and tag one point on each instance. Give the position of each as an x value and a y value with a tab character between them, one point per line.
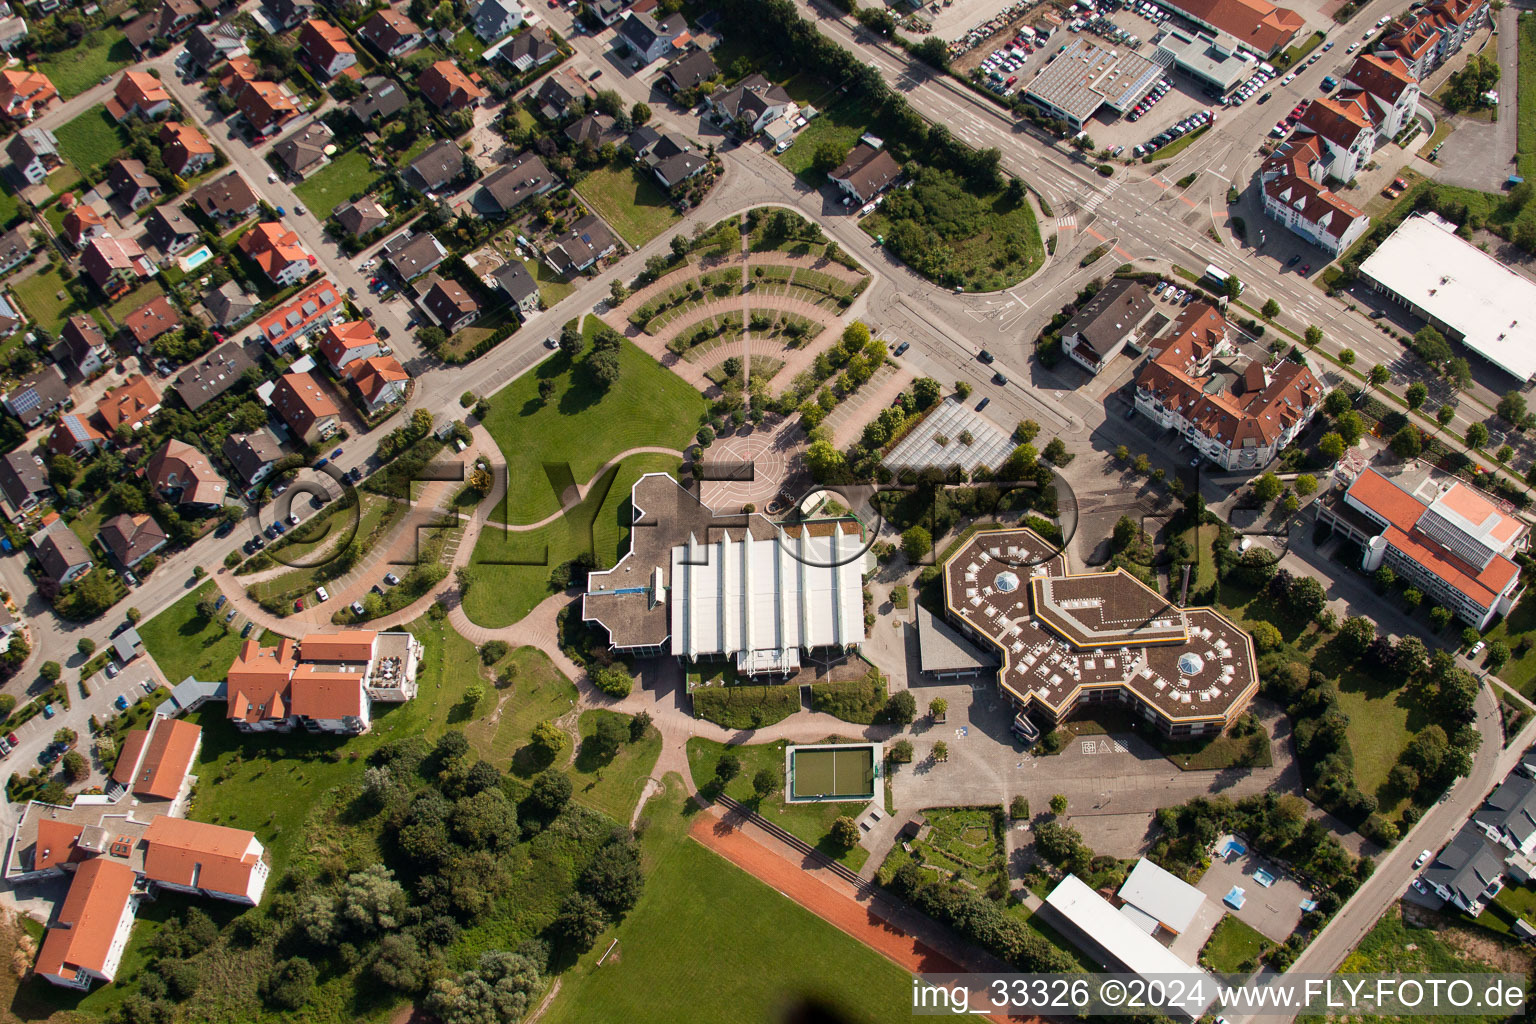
1068	640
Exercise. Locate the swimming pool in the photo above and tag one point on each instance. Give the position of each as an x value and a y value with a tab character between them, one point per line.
196	258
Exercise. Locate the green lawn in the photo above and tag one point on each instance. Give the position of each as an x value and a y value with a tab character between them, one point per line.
346	175
613	786
504	723
186	644
10	206
1517	628
43	297
708	942
1525	133
91	140
631	202
582	426
144	293
961	842
842	123
88	523
512	569
76	69
810	821
552	287
1231	944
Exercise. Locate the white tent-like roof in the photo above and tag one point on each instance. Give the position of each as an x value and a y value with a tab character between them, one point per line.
1156	893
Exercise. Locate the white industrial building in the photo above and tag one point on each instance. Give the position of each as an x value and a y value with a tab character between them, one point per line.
1156	898
1461	290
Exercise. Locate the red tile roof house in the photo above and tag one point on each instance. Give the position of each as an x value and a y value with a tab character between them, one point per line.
265	106
139	95
184	149
83	224
117	265
381	381
448	88
312	310
184	475
91	930
1428	38
128	405
1237	416
1293	196
326	48
1391	92
24	93
1345	133
75	436
132	184
346	343
303	404
278	252
324	683
391	33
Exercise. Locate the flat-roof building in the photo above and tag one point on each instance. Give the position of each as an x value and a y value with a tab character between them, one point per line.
1068	639
1461	290
1155	898
1202	58
1086	76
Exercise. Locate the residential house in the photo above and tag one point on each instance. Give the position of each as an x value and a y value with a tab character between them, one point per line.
60	553
11	318
212	45
651	38
324	683
37	395
131	539
593	129
24	93
183	475
326	49
13	31
265	106
1390	90
23	482
507	188
607	11
448	88
865	172
34	154
139	94
90	931
302	402
168	22
1293	195
642	139
286	14
1427	37
84	346
303	152
558	91
380	380
129	404
228	200
412	255
230	304
276	249
1344	133
673	160
689	71
1237	415
1106	323
1508	816
16	247
518	285
131	184
253	455
117	265
448	304
186	150
346	343
437	168
381	99
83	223
391	33
170	230
749	104
581	246
75	436
492	19
530	50
359	218
155	318
292	323
1468	872
212	375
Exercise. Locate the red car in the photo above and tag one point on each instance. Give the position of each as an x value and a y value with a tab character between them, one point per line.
298	605
1011	80
11	739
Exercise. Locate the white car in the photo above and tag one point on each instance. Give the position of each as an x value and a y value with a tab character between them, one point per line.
322	594
1422	857
1476	649
357	607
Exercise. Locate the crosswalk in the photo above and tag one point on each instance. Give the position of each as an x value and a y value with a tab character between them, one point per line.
1066	222
1096	198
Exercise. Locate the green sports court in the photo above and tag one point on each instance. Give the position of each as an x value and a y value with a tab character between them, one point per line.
832	773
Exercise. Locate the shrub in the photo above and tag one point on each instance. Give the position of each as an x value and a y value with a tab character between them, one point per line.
493	651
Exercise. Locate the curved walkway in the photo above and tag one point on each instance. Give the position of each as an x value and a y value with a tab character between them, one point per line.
582	490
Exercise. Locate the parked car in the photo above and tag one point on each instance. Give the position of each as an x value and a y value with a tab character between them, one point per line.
1423	856
298	605
985	356
391	579
336	454
130	578
999	379
901	348
112	670
1477	649
220	602
247	630
48	710
322	594
121	703
231	614
357	608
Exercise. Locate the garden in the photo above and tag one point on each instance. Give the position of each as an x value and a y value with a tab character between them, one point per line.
958	843
347	174
630	201
91	141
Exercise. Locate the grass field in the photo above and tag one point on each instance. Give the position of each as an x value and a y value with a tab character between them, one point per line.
1520	624
583	427
631	202
708	942
501	727
144	293
43	297
613	786
347	174
512	569
1231	944
91	140
186	644
1525	132
842	123
10	206
76	69
810	822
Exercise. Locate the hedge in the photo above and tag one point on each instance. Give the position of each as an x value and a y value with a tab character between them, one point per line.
745	707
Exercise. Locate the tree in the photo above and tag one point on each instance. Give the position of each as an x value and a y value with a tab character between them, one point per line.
1331	446
899	752
1385	578
938	707
1356	634
372	901
607	736
613	877
1266	637
1477	435
1430	345
926	391
86	647
76	768
614	680
638	726
1379	375
1416	394
1498	655
1406	443
549	737
1018	808
941	751
727	768
844	832
1234	287
962	390
1267	487
764	783
1445	414
1511	408
639	114
933	50
1458	373
546	390
550	792
1270	309
495	990
1305	484
50	670
493	651
824	461
1314	336
604	367
900	708
827	155
289	984
916	542
1307	597
571	341
1347	356
1059	804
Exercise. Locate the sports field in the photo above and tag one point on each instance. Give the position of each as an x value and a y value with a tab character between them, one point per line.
832	773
